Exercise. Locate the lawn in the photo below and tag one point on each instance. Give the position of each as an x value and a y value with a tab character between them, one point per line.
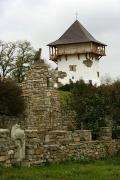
82	170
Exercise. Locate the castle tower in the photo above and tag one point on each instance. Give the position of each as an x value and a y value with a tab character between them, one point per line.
77	53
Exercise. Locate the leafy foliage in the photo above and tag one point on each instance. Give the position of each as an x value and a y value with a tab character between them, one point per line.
94	106
67	87
116	133
89	106
65	99
11	101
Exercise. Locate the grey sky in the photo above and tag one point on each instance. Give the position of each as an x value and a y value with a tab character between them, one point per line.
43	21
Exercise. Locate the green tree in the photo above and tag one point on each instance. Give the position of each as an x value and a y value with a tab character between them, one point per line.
90	105
94	106
115	102
11	100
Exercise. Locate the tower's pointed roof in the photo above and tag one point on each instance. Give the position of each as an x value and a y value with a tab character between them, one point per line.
76	33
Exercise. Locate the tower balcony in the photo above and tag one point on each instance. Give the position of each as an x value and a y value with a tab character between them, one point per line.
76	50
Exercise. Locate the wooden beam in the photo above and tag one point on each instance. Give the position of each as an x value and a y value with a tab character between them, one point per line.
52	50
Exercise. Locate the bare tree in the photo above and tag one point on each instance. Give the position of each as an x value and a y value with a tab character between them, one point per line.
24	57
7	58
15	59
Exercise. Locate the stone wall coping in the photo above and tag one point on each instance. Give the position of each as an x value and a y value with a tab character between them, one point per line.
82	130
31	130
59	131
78	144
62	131
33	80
51	145
95	141
4	130
105	128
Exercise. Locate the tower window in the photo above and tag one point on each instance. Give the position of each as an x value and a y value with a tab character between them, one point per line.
98	74
72	67
72	77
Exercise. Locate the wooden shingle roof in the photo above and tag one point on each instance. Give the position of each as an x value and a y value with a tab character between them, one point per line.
76	33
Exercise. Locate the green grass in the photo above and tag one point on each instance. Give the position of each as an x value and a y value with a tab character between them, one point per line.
86	170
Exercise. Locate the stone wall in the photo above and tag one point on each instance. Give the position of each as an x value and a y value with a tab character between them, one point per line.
43	110
42	105
7	148
55	146
68	119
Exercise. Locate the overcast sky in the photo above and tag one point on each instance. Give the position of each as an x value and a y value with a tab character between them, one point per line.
43	21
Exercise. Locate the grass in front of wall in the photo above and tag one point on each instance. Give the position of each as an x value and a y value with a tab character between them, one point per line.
71	170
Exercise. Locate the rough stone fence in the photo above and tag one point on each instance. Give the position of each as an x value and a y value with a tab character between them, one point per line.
55	146
7	148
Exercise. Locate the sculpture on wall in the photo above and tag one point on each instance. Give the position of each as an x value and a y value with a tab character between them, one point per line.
54	77
88	62
18	136
37	57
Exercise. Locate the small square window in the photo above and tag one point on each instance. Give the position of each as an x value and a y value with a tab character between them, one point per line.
72	68
98	74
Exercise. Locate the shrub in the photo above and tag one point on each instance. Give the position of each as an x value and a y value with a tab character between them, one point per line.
89	105
116	133
94	106
11	101
65	99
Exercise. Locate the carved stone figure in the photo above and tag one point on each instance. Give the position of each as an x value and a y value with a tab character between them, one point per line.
54	76
88	62
37	58
38	55
18	136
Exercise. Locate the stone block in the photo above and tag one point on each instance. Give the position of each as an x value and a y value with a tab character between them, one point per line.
105	133
30	151
3	158
10	152
76	139
4	133
25	164
39	151
47	138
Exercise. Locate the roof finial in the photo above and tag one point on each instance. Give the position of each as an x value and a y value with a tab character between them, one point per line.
76	15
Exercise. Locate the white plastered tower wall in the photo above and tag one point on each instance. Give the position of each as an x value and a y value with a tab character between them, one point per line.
88	74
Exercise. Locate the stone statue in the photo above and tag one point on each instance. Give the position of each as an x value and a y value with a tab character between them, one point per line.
18	136
61	74
54	77
88	62
37	57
